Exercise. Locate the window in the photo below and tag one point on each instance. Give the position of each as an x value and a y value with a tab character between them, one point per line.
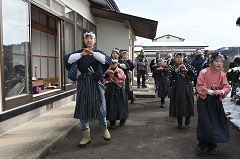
79	39
69	43
44	55
15	47
85	23
79	20
69	13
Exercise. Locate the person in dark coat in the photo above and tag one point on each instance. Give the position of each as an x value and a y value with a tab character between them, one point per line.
180	78
169	59
212	87
90	99
153	66
128	80
197	63
160	73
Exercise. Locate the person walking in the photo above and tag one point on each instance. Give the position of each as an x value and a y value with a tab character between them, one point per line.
160	74
90	99
142	64
212	87
153	66
180	77
115	94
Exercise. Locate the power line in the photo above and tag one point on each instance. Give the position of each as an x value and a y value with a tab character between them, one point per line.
147	8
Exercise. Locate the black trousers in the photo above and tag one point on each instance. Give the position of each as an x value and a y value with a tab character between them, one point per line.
141	73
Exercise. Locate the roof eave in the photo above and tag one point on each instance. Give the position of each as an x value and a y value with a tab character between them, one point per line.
107	4
141	27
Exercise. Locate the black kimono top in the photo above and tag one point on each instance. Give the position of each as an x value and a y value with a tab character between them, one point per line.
173	75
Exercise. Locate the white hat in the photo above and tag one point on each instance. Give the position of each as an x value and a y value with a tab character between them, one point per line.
199	51
114	60
115	50
179	53
89	34
125	52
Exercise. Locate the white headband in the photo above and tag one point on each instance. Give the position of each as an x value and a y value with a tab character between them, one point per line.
221	55
89	34
114	60
116	50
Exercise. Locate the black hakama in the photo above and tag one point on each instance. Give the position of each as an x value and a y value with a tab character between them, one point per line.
90	101
212	124
181	98
116	101
163	88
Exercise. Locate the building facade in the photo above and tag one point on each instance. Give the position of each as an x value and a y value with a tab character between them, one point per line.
35	36
169	44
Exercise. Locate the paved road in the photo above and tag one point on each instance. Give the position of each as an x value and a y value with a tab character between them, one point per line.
148	134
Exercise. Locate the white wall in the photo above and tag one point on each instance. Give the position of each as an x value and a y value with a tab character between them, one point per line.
111	34
82	7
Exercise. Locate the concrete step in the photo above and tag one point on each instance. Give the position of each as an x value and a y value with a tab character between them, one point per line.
144	94
148	92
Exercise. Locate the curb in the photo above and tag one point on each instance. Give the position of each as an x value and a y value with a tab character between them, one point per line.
54	143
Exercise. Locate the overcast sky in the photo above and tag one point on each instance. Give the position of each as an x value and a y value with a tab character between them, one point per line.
210	21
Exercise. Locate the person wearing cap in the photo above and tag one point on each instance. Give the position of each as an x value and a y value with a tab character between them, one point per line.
212	87
180	78
90	100
129	89
121	63
197	63
115	94
142	64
